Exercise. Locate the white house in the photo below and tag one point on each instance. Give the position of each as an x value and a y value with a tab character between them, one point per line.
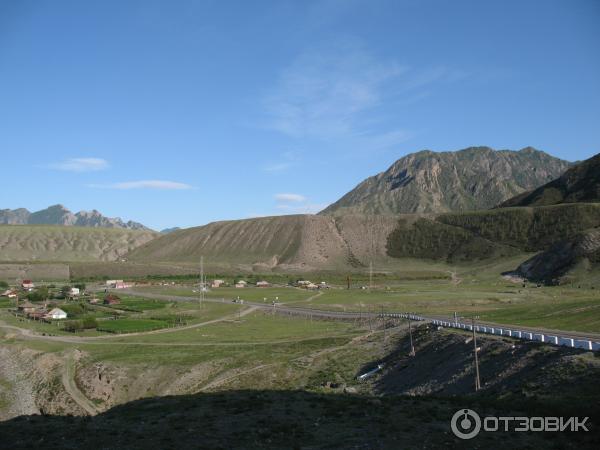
262	284
73	291
56	313
217	283
122	285
241	284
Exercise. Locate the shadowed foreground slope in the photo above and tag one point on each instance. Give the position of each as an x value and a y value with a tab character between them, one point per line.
275	419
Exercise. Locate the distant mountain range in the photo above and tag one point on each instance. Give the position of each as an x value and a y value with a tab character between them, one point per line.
59	215
580	183
435	182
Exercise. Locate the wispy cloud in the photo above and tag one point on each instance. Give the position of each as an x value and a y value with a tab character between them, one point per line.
290	197
296	204
80	165
144	184
285	161
340	91
305	208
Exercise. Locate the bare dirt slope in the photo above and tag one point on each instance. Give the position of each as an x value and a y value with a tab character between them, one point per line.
60	243
296	242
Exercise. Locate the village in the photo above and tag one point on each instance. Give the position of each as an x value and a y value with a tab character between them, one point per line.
77	307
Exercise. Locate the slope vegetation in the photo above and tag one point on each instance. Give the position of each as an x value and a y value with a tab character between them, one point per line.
578	184
485	234
470	179
60	243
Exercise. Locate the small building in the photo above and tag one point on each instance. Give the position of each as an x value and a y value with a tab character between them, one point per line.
241	284
112	299
303	283
217	283
73	292
263	284
122	285
38	314
27	284
9	293
311	286
111	283
56	314
26	307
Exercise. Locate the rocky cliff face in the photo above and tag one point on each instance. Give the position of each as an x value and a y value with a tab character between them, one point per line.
469	179
59	215
580	183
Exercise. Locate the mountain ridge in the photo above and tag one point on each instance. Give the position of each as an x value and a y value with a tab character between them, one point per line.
59	215
473	178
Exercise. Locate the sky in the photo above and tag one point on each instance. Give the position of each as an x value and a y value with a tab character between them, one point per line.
179	113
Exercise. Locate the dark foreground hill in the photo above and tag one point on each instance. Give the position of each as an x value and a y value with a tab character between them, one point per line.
580	183
430	182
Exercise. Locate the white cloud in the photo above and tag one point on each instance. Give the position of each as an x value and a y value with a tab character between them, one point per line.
80	165
290	197
145	184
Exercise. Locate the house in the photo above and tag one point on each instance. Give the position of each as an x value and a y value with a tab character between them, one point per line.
112	299
263	284
26	307
217	283
56	314
38	314
73	292
27	284
111	283
303	283
8	293
122	285
241	284
311	286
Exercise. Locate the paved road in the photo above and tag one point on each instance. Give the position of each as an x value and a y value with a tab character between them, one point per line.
340	315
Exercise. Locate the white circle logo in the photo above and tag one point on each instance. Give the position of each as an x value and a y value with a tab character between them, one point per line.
466	424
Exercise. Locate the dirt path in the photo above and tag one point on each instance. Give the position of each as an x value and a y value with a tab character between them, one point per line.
221	381
68	380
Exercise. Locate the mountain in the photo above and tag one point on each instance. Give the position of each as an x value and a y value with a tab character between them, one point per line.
580	183
169	230
59	215
294	242
434	182
47	243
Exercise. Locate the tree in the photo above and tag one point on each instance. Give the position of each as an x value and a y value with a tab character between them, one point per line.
3	285
80	286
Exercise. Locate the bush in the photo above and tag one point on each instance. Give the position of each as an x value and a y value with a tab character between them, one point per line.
3	285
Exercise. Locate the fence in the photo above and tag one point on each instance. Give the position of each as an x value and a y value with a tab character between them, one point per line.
525	335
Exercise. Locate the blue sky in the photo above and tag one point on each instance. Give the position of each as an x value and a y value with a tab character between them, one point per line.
178	113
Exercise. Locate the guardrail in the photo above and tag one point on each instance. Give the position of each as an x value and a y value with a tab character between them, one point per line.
551	339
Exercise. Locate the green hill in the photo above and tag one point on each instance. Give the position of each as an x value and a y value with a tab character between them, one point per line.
485	234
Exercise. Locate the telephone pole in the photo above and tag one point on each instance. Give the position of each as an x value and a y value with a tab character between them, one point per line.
412	347
477	381
202	280
371	275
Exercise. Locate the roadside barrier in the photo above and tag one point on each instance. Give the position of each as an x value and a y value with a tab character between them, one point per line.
524	335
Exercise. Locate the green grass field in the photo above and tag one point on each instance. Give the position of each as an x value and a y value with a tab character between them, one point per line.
131	325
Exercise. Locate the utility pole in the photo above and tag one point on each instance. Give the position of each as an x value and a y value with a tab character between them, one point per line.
348	281
412	347
370	275
477	381
383	320
202	281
